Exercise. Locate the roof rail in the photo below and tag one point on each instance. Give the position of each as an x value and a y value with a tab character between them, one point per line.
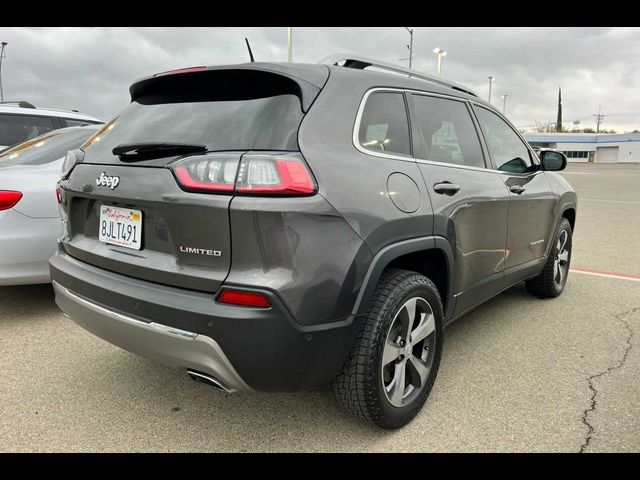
360	63
20	103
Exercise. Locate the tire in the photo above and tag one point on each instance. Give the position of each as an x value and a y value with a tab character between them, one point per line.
550	283
366	388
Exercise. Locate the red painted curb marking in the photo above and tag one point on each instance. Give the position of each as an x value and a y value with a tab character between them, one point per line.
601	273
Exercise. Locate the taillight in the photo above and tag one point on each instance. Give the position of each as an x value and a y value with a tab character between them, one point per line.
274	175
254	174
244	299
207	173
8	199
58	195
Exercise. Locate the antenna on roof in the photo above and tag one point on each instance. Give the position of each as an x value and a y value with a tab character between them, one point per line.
249	48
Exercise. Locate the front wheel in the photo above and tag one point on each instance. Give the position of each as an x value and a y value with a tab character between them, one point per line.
551	281
394	361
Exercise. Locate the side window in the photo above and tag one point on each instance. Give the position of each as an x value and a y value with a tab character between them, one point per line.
384	126
70	122
16	129
448	131
507	150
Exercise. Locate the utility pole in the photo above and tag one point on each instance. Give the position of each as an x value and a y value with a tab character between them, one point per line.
410	46
290	35
491	79
599	118
2	45
504	103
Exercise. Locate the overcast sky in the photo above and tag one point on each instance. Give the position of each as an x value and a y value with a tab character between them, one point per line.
90	69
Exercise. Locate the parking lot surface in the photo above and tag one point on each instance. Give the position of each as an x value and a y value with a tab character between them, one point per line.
517	373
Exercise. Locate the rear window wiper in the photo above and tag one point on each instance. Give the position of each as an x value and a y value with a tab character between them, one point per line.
132	152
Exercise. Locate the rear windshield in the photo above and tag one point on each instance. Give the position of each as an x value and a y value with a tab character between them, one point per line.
255	123
46	148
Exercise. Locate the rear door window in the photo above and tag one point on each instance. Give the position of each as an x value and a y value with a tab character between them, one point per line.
448	131
16	128
384	126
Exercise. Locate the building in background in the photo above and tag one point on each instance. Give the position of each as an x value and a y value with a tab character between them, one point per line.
591	147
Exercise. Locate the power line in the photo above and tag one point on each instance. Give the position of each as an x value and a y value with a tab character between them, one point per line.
599	117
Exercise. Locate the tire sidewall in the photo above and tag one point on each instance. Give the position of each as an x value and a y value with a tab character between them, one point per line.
562	227
396	416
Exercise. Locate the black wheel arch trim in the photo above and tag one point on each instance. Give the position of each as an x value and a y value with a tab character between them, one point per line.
560	209
567	206
389	253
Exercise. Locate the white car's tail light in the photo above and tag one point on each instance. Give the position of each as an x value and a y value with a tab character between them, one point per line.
8	199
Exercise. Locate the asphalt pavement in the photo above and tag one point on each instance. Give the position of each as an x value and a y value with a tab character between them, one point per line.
517	373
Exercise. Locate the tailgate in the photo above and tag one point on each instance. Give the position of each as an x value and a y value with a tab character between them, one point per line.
185	236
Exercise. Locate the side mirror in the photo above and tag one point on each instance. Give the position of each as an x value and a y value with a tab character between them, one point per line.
552	160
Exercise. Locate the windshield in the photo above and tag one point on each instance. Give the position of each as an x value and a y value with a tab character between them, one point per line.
265	123
46	148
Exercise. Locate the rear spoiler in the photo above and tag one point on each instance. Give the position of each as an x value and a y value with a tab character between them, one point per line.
303	80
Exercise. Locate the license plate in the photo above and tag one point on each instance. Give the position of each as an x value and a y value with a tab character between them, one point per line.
120	226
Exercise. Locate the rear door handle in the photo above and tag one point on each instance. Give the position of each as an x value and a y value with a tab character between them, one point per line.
446	188
519	189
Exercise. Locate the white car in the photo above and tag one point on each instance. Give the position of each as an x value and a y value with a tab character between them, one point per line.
29	216
22	121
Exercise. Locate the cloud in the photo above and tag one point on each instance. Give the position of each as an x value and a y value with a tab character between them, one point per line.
90	69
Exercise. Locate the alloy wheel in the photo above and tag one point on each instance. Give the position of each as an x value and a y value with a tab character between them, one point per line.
408	352
561	263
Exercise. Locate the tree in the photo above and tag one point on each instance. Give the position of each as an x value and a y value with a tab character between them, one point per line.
588	130
559	120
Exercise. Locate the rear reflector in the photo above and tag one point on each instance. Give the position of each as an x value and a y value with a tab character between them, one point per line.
8	199
244	299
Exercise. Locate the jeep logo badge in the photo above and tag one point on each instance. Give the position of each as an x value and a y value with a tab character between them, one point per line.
105	180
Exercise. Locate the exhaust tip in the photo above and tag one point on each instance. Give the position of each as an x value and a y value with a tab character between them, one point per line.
207	380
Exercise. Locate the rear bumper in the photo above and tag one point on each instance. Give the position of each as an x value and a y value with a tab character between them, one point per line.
169	346
244	348
25	247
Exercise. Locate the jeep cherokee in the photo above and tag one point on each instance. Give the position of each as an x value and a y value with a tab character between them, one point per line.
275	226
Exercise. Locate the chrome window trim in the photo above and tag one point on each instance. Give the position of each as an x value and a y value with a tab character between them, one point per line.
413	159
453	165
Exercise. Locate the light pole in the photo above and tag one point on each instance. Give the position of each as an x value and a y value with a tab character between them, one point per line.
410	30
441	53
491	79
290	42
504	103
3	44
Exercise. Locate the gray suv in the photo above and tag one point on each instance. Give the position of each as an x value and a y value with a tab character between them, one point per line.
274	227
